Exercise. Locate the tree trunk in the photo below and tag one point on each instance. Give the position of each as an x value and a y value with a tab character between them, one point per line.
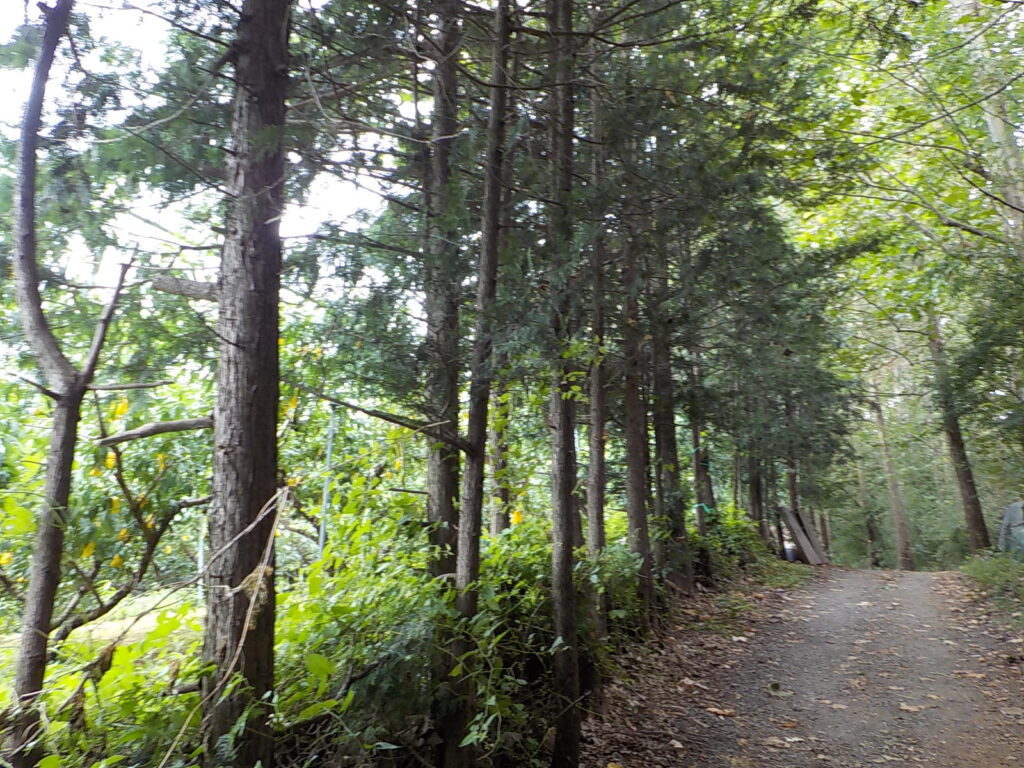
481	376
756	501
501	492
792	468
467	570
441	291
44	578
870	530
637	450
240	599
22	744
670	501
703	485
565	526
973	515
772	497
736	478
904	553
793	486
563	590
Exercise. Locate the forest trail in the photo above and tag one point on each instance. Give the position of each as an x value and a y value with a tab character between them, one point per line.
854	670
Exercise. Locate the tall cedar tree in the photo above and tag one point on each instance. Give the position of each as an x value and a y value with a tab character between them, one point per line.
240	603
562	413
442	289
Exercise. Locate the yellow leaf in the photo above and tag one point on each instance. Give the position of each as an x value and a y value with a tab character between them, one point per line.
517	516
150	521
121	408
123	535
95	472
115	504
161	462
111	460
168	549
6	558
88	549
117	561
293	403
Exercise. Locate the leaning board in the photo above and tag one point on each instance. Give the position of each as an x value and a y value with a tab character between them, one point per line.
805	537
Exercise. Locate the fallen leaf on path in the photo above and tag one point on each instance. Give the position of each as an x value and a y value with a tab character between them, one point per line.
839	706
1012	711
721	712
688	683
909	707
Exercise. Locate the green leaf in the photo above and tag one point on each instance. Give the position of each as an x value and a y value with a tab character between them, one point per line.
319	665
315	709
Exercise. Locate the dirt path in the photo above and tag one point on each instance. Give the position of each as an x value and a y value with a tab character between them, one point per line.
856	670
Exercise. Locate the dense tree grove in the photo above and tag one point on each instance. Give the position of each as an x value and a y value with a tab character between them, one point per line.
376	370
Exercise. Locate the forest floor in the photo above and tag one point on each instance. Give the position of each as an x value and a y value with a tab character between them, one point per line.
853	670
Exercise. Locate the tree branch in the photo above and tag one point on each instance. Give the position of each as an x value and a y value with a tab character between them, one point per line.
138	385
157	428
190	289
89	369
401	421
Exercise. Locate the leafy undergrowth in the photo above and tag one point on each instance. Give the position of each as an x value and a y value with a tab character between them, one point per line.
1000	576
361	637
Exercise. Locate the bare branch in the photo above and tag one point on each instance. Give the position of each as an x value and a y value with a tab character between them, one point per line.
157	428
190	289
89	369
48	392
138	385
401	421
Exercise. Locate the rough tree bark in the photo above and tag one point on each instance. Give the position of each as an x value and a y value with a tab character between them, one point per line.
467	569
670	502
597	466
481	374
240	596
562	411
635	425
442	288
